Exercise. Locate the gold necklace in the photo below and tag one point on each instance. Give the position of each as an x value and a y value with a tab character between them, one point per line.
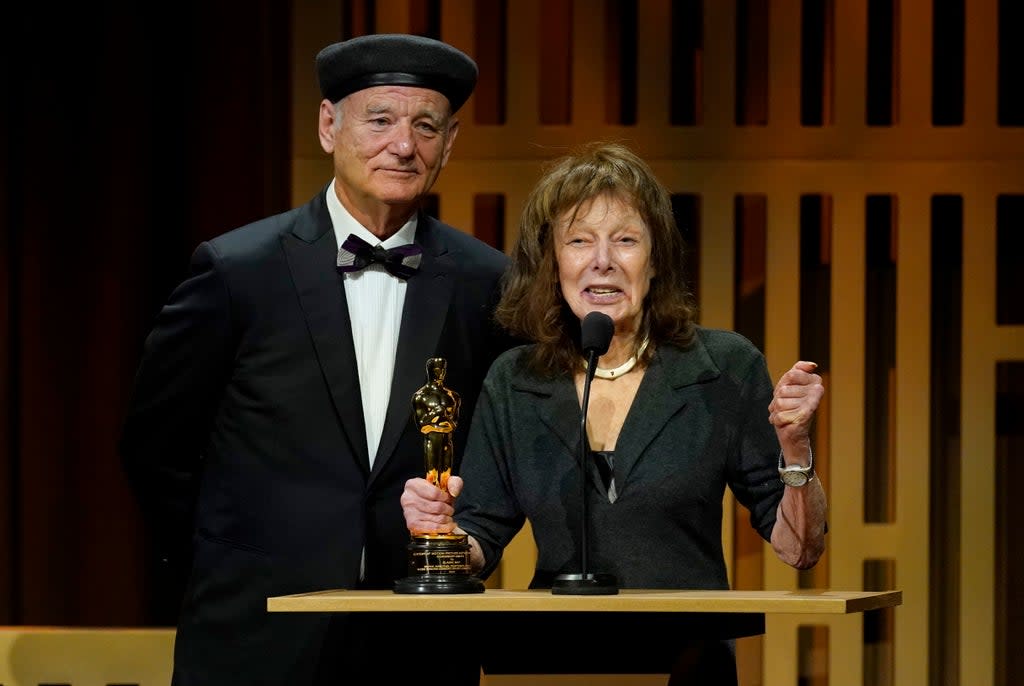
623	368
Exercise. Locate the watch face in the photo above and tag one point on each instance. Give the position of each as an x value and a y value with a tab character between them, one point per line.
794	477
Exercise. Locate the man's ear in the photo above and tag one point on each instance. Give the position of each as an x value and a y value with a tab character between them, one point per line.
453	131
325	127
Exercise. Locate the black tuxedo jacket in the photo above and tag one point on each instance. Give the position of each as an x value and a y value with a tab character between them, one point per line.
245	438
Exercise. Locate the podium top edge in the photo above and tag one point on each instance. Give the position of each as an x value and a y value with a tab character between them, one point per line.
804	601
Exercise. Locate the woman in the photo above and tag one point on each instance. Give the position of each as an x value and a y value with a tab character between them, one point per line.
677	412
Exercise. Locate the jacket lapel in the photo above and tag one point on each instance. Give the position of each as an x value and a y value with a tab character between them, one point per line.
556	404
558	407
427	299
311	251
665	390
663	393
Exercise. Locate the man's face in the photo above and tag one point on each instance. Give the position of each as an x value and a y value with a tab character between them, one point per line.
390	145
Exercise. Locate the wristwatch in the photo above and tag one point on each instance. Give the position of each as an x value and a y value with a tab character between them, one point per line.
794	475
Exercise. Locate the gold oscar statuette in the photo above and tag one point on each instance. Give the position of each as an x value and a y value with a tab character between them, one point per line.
438	562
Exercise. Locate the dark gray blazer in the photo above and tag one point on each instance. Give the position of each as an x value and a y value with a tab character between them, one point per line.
699	423
245	438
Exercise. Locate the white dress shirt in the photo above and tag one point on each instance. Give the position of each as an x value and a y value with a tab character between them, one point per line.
375	300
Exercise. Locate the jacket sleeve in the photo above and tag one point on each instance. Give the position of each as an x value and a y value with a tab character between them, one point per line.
487	508
185	365
754	476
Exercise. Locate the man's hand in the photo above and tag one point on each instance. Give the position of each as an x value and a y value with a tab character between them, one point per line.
427	508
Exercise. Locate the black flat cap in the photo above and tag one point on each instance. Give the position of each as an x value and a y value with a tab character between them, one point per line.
395	59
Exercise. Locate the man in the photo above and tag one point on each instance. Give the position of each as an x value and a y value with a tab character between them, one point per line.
271	431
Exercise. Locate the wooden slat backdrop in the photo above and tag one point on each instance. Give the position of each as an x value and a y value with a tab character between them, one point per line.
846	160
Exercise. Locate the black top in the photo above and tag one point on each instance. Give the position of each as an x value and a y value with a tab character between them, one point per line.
605	461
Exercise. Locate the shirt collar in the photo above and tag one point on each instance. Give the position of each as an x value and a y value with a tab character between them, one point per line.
344	224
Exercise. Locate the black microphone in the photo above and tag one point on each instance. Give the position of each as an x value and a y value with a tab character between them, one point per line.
596	333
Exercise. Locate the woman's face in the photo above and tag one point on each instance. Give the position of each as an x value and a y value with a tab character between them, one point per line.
604	260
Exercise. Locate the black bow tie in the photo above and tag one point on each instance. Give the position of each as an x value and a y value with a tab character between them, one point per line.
355	254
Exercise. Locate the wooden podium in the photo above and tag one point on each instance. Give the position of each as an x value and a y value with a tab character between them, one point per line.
536	632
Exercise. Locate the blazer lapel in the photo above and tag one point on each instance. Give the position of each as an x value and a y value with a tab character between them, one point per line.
663	393
557	405
311	251
558	408
427	299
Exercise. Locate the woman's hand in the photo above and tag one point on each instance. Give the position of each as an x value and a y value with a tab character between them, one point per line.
799	533
794	403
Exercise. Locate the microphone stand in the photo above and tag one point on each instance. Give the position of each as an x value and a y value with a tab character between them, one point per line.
585	583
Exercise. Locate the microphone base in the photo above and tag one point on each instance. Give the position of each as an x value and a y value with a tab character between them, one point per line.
585	584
